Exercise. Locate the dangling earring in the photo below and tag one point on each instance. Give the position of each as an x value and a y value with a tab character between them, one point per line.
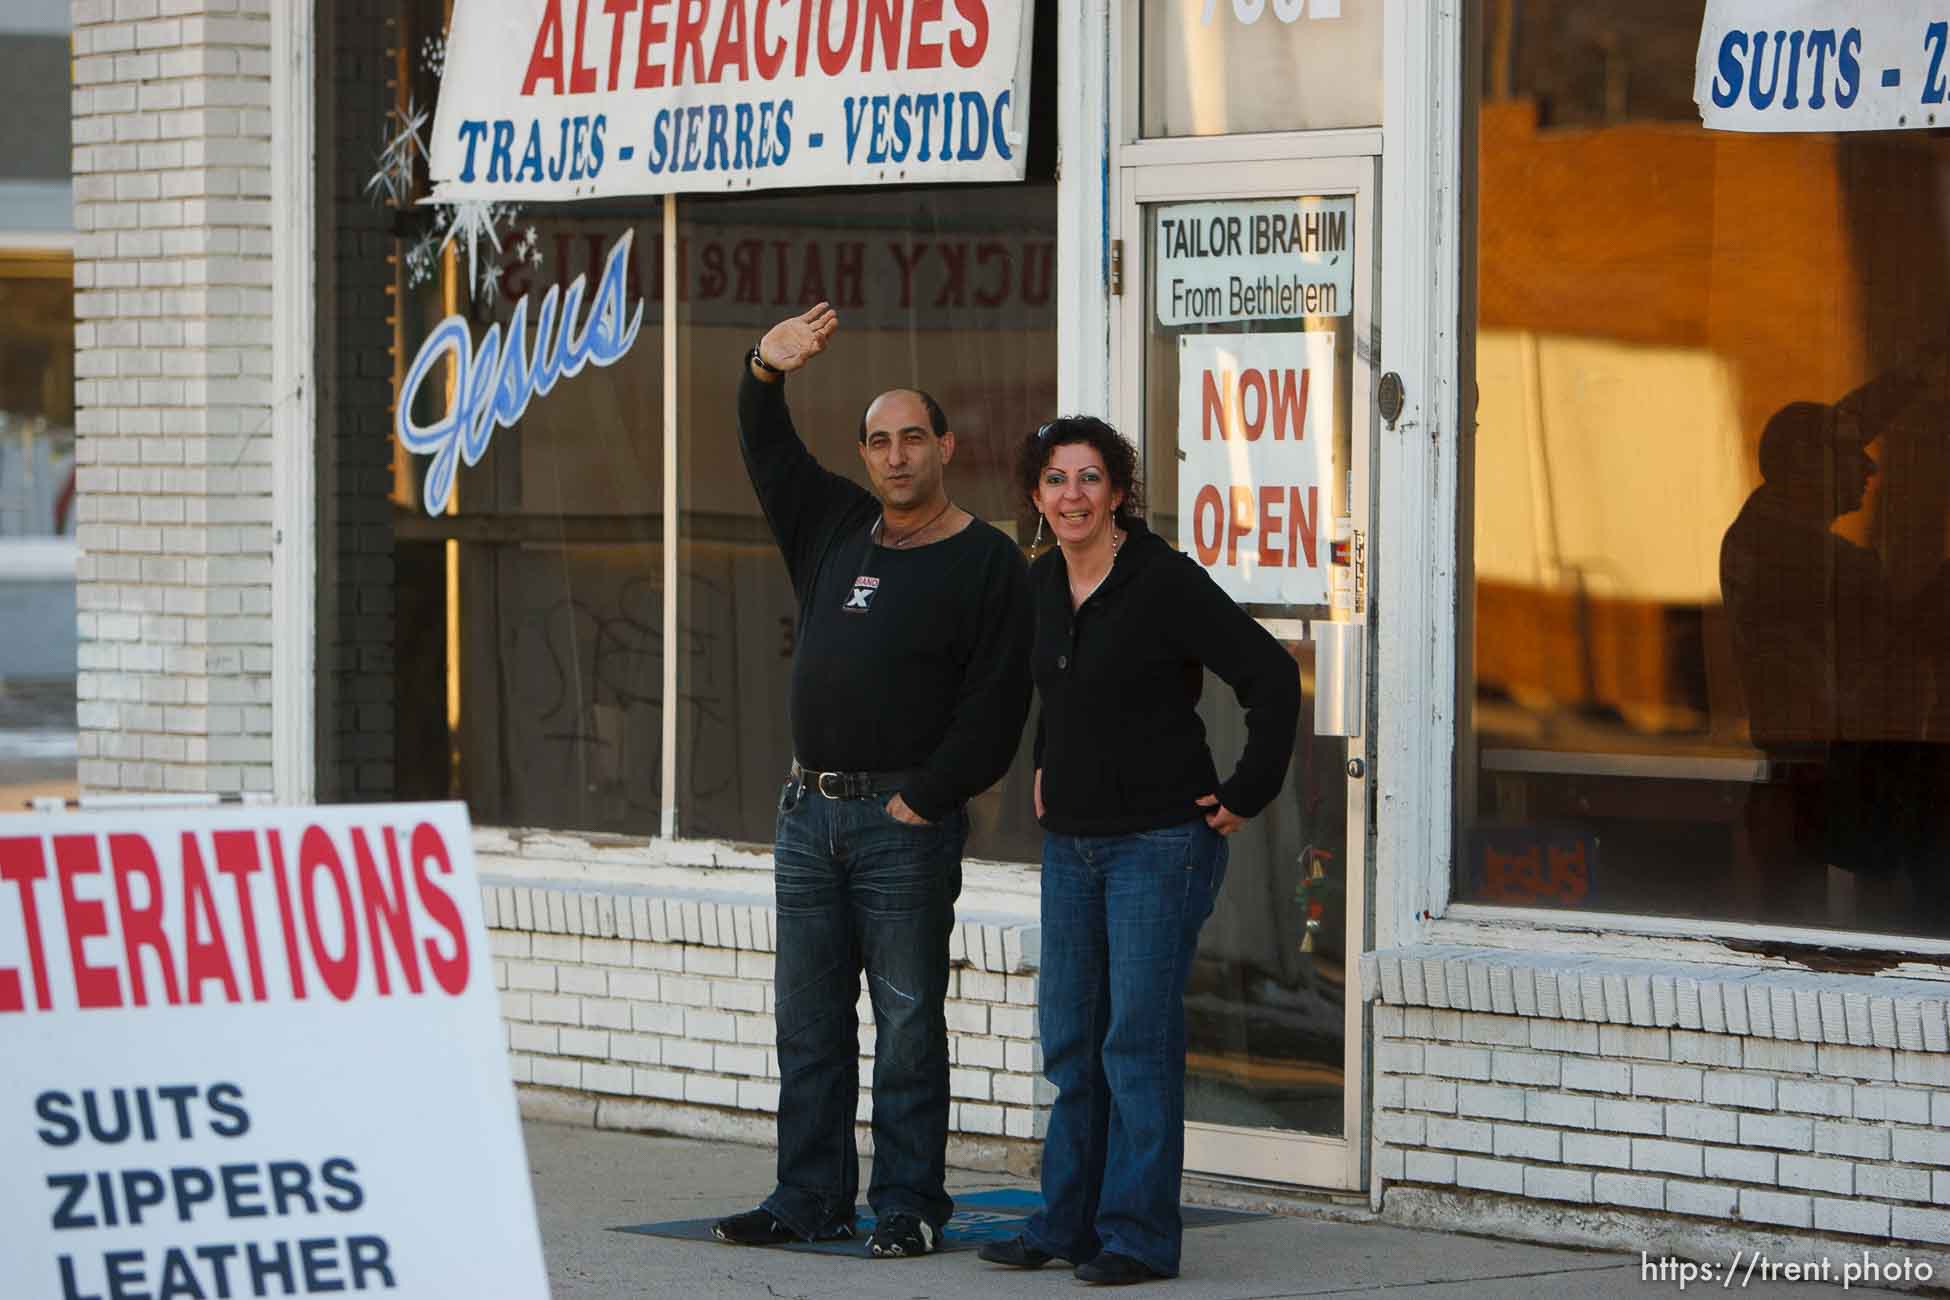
1039	531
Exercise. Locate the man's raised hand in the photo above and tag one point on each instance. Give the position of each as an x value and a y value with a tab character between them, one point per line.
798	339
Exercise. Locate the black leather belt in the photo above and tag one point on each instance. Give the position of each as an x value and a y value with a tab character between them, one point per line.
851	785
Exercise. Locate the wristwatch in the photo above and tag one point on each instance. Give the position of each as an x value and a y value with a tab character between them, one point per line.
758	359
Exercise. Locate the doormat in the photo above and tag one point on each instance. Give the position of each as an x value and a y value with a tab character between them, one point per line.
979	1217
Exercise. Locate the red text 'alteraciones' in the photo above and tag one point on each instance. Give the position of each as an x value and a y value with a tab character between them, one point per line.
583	47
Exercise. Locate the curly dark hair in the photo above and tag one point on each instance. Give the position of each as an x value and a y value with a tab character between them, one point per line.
1120	460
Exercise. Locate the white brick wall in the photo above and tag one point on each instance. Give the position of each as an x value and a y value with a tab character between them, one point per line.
172	175
670	999
1792	1100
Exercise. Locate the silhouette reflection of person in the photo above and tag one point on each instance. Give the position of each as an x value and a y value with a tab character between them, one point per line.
1831	661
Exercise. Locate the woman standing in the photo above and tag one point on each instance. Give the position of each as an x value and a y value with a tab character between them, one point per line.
1134	851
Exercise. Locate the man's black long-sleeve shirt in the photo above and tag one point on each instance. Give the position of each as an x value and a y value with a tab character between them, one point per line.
906	660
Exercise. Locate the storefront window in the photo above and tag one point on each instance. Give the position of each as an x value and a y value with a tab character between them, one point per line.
948	289
1709	669
1220	67
539	673
490	609
508	642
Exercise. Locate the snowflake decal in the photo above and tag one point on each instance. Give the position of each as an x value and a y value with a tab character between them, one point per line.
398	149
422	255
401	147
475	220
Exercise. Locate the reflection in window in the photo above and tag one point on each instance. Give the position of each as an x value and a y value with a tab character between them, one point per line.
39	684
1592	64
37	396
1709	673
951	290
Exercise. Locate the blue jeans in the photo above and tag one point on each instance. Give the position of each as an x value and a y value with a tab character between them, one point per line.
1121	916
857	889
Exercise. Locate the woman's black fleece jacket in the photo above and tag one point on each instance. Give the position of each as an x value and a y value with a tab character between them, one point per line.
1118	737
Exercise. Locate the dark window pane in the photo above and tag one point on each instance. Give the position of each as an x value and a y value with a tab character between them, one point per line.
36	133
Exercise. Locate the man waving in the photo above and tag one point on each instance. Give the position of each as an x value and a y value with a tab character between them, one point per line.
910	684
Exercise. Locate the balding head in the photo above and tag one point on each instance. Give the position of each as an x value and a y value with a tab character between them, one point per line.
937	420
906	445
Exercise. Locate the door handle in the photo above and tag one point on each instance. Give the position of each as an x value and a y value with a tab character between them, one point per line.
1340	677
1340	670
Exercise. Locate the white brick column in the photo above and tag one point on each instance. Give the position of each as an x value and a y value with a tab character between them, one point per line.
172	166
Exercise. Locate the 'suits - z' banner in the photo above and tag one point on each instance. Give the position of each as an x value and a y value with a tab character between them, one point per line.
1824	65
568	99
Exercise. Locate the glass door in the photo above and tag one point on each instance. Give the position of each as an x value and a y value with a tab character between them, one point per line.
1244	346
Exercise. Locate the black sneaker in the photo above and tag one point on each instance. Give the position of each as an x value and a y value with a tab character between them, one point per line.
1113	1269
759	1228
1015	1252
898	1236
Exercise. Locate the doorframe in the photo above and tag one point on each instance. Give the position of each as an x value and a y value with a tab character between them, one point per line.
1413	590
294	402
1279	1156
1418	466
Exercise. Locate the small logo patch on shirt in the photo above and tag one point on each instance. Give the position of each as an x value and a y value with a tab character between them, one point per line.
861	599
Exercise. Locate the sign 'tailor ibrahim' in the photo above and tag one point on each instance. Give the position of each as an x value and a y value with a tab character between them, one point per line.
1253	260
564	99
253	1053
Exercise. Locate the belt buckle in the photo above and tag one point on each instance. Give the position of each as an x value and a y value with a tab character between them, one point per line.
839	777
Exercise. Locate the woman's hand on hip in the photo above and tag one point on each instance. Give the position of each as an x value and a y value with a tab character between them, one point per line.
1220	818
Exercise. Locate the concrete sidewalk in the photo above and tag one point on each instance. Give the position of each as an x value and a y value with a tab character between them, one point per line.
589	1181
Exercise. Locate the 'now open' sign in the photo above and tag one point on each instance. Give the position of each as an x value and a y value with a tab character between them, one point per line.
1255	448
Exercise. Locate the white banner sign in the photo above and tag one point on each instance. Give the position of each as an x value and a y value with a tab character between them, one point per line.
1256	455
1823	65
254	1052
566	99
1263	259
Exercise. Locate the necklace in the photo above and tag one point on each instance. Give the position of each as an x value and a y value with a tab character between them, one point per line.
1116	544
911	533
